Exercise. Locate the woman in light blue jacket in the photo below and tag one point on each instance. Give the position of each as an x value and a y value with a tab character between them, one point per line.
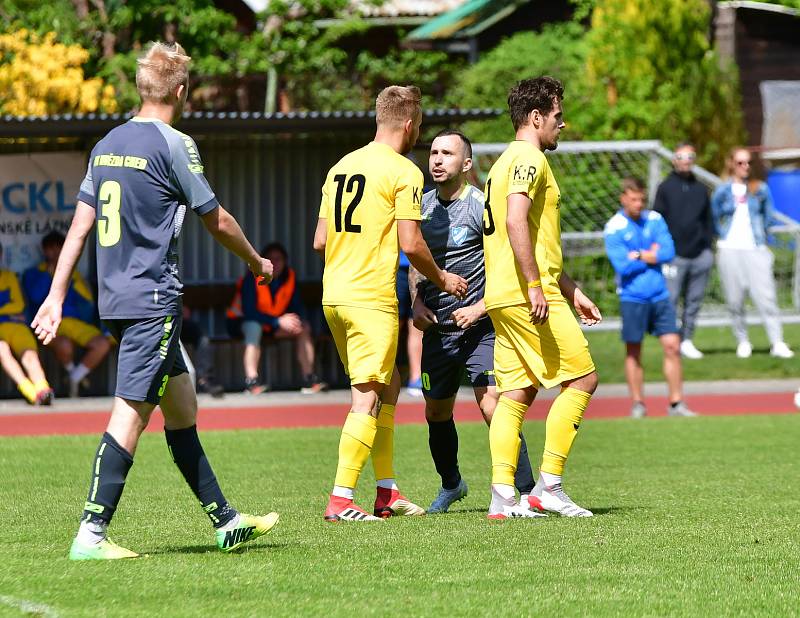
742	209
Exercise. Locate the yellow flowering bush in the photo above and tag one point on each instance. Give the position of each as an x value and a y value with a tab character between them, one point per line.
39	76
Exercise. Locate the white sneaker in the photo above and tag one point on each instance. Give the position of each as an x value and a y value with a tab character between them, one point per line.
501	508
781	350
689	351
638	410
680	409
744	349
555	500
797	399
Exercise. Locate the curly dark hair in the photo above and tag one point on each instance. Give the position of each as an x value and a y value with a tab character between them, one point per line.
530	94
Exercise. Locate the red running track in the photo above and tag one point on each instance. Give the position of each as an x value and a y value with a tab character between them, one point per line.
70	423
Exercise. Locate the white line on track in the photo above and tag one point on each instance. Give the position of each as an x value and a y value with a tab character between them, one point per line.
29	607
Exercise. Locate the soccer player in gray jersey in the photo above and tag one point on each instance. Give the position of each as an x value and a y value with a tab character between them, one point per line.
457	334
141	178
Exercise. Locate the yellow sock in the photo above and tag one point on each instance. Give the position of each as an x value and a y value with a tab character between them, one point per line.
504	439
561	428
358	434
28	390
41	385
383	449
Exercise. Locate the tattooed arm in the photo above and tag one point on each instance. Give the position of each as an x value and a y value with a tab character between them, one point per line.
414	279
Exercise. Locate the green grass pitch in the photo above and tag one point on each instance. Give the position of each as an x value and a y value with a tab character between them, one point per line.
695	517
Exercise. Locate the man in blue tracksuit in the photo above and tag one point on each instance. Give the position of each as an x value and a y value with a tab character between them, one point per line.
638	243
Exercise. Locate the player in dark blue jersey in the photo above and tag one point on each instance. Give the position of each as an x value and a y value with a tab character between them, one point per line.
141	178
458	334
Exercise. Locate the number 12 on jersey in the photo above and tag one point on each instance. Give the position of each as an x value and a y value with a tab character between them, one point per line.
355	183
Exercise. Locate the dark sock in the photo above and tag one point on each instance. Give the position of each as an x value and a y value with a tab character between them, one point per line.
187	453
523	478
109	471
443	442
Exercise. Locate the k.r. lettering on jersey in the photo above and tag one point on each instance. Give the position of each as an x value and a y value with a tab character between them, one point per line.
524	172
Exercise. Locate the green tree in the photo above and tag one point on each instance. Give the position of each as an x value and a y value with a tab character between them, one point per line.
559	50
310	45
655	75
115	31
642	71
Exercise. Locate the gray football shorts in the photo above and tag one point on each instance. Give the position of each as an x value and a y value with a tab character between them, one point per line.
445	356
149	355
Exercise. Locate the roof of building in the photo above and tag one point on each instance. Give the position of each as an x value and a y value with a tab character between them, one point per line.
397	8
390	8
760	6
467	20
202	123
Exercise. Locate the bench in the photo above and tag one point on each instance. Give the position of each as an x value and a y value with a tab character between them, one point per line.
208	303
279	369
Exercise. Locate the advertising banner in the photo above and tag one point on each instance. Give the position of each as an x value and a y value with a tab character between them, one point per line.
37	195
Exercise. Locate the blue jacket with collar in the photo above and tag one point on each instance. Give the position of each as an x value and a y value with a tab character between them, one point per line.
637	281
759	204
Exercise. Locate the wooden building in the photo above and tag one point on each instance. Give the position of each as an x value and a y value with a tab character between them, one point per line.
764	40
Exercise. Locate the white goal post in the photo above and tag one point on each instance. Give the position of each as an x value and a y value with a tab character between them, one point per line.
589	176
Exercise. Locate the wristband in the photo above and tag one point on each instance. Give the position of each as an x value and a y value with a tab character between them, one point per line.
536	283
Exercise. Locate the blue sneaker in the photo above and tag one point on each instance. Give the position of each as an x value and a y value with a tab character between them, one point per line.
447	497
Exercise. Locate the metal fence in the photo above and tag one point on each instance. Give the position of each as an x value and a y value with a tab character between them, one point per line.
589	176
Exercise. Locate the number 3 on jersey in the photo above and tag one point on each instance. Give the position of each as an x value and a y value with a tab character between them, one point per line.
356	183
109	226
488	226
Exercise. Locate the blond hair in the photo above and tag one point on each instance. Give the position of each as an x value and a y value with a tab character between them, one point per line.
753	183
160	70
396	104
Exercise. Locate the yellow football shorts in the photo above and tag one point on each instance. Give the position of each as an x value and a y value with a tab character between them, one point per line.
18	336
366	340
543	355
78	331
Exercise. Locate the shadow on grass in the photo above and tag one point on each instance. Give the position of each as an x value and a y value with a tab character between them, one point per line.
210	549
600	510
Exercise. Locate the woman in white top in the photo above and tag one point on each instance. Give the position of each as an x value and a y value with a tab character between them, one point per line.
742	209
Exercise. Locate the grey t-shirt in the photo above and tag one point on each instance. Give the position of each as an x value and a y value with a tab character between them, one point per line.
141	177
454	233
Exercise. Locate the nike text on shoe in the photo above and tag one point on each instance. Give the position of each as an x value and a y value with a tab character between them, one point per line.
555	500
344	509
501	508
390	502
446	497
104	550
250	527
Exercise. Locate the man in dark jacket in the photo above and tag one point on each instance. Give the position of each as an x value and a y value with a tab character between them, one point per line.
684	203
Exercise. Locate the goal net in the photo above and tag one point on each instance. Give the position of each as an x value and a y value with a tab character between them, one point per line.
589	176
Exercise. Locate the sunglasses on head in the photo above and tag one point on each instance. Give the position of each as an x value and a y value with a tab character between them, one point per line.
685	156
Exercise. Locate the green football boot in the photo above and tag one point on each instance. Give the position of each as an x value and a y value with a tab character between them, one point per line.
250	527
104	550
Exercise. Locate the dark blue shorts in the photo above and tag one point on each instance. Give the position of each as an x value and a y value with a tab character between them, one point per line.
403	294
149	354
445	356
655	318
